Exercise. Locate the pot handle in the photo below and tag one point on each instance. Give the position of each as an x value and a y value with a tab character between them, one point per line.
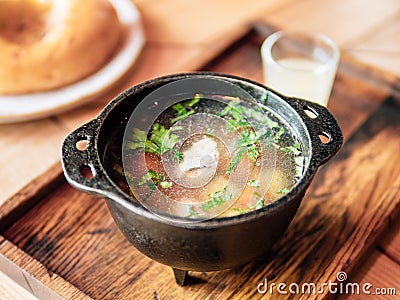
325	133
80	161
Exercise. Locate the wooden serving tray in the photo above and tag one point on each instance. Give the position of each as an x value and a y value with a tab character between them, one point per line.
60	243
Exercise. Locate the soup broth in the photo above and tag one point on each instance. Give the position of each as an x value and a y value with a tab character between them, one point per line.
208	152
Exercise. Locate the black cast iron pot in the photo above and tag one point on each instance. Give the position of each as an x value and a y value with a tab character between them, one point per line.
213	244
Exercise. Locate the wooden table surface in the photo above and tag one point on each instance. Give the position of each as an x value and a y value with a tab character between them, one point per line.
182	36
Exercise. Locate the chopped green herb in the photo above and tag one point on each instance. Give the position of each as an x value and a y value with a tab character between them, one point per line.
254	183
230	107
165	184
237	157
217	199
193	213
264	98
138	141
250	138
278	134
260	203
240	211
265	133
161	140
182	113
178	155
153	178
152	188
236	115
196	99
257	195
283	191
260	117
185	109
270	123
146	177
295	149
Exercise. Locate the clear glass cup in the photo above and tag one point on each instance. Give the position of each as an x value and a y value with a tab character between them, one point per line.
301	65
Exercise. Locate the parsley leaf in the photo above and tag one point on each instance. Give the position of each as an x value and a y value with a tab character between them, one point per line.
161	139
193	213
254	183
185	109
152	177
283	191
217	199
295	149
237	157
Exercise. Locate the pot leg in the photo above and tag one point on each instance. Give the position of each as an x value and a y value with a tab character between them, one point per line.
180	276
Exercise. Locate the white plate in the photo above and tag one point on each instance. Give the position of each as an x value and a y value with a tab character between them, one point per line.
17	108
